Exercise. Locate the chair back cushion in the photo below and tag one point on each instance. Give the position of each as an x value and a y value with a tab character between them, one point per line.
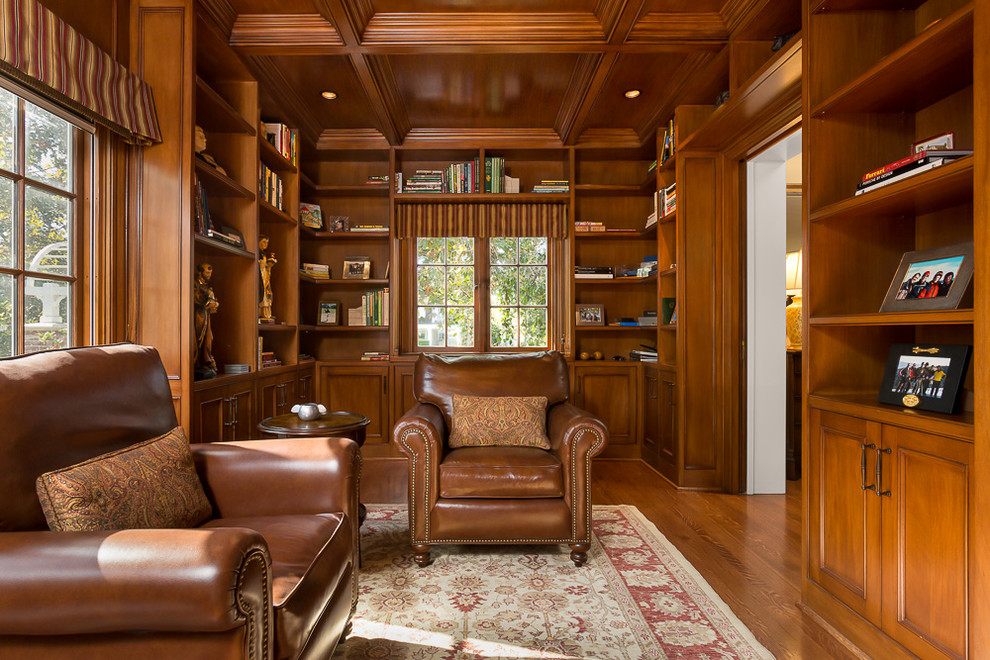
150	485
62	407
439	377
499	421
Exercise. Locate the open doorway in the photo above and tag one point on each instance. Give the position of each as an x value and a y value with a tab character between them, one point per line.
773	229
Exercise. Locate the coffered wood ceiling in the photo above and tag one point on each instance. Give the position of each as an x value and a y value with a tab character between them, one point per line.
489	71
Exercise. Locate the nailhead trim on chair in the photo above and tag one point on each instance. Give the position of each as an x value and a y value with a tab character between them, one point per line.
426	513
244	608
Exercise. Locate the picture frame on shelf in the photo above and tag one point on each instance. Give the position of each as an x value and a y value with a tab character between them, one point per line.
311	216
587	314
927	280
338	223
357	268
328	312
925	376
945	140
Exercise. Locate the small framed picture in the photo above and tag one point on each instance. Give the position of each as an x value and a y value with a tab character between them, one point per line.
930	279
336	223
329	313
590	314
925	376
941	141
357	269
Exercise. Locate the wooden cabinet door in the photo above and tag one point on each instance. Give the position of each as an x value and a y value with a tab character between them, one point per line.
611	394
651	415
305	393
210	415
667	444
270	394
926	541
402	395
844	517
243	421
362	390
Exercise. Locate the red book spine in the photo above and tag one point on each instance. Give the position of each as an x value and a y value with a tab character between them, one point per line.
872	174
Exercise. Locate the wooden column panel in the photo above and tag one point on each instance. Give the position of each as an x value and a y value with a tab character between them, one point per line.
610	392
362	390
160	270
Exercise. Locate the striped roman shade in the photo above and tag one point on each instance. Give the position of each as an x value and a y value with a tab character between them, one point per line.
481	219
42	52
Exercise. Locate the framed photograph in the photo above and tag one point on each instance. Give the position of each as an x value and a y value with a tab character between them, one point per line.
941	141
329	313
357	269
925	376
590	314
930	279
336	223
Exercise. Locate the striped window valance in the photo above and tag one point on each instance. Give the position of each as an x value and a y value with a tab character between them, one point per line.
44	53
481	219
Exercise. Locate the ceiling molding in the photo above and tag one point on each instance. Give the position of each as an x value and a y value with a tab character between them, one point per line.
359	14
735	12
490	138
292	104
598	79
483	28
609	138
283	30
220	13
577	91
375	73
688	76
659	27
608	13
351	138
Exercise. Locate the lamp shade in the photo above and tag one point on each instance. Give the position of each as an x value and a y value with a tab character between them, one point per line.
793	282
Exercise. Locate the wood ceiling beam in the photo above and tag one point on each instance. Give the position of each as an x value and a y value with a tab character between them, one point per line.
482	27
269	74
689	75
597	80
493	138
578	88
221	14
682	27
286	30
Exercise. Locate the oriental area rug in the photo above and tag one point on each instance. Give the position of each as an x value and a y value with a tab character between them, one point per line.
636	597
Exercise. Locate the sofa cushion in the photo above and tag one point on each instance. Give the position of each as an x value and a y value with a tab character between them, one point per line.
152	484
311	555
501	472
499	421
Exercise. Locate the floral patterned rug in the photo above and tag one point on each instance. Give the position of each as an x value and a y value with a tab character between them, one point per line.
636	597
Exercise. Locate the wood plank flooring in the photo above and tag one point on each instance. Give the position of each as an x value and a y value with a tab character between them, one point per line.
747	547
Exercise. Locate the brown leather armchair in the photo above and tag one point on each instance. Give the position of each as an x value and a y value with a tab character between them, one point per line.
273	574
507	495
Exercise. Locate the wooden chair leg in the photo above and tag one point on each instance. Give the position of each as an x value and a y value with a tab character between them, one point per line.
579	553
421	554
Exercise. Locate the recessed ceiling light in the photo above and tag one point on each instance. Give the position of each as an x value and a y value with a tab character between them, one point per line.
329	95
632	93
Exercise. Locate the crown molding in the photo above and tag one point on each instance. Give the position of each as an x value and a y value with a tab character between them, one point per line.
351	138
375	74
679	27
482	28
609	138
283	30
220	13
493	138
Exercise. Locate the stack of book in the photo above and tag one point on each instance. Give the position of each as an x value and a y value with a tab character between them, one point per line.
310	215
649	318
368	227
270	187
582	226
375	356
269	360
648	266
552	186
651	219
306	357
377	180
909	166
315	271
667	202
236	368
424	181
593	273
643	355
283	139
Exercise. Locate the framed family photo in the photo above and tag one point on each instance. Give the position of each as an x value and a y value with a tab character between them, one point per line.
590	314
925	376
357	268
329	313
930	279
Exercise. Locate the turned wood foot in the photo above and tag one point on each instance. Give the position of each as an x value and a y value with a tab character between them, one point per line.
421	554
579	553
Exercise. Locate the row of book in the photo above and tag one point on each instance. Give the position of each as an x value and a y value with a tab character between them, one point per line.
283	139
270	187
552	186
375	356
586	226
373	310
268	359
204	222
909	166
315	271
377	180
667	147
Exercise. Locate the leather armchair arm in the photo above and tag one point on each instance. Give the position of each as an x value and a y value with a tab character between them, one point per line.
280	476
420	434
190	580
576	436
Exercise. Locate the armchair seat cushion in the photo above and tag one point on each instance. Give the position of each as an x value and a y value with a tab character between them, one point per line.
501	472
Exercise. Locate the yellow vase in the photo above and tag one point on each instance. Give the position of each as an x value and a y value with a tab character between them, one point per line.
793	312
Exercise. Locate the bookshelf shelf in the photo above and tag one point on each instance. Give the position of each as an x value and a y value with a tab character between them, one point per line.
273	159
343	235
959	426
629	234
669	218
219	247
360	190
338	282
947	317
220	184
343	328
270	213
276	327
215	114
614	328
481	198
670	272
938	62
615	281
668	326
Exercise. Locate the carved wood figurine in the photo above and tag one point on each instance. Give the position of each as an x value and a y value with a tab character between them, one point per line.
266	261
204	306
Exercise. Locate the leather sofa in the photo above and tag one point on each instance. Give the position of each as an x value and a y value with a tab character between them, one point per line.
272	574
497	494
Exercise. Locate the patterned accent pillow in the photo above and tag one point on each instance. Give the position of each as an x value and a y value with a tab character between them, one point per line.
152	484
504	421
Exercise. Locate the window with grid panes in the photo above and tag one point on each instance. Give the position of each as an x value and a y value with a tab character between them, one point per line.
478	294
39	185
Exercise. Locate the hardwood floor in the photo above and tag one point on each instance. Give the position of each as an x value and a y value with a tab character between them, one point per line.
747	547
